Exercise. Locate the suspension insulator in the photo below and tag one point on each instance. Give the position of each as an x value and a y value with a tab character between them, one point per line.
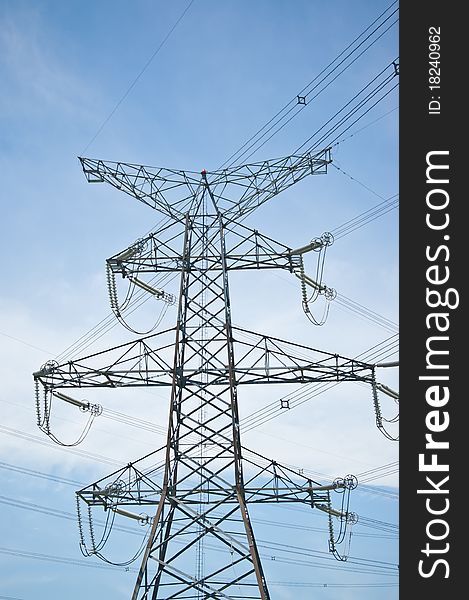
142	518
157	292
83	405
112	289
376	405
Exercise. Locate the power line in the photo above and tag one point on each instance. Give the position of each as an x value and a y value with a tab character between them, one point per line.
366	217
175	518
356	106
40	474
294	104
76	562
11	337
336	166
269	544
77	484
132	85
85	563
44	442
355	133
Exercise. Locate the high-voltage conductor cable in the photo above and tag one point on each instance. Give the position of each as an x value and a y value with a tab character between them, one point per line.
344	131
366	217
356	111
379	472
85	563
76	562
303	527
109	322
300	584
367	522
44	442
302	551
364	127
378	525
55	512
337	128
341	170
142	71
64	481
373	474
275	409
40	474
366	313
345	229
380	353
299	102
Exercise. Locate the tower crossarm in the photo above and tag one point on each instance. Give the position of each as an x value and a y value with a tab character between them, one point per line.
138	486
169	191
246	248
236	191
142	362
265	359
146	362
257	183
249	249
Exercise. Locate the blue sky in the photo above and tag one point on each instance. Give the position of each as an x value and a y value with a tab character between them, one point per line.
104	80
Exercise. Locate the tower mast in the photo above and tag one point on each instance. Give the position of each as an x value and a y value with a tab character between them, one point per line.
201	491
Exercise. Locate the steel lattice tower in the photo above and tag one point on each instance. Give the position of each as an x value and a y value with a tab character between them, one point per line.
199	492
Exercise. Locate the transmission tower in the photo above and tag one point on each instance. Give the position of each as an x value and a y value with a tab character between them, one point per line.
195	492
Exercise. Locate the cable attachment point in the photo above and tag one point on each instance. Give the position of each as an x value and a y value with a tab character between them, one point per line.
326	239
116	488
46	369
349	482
130	252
